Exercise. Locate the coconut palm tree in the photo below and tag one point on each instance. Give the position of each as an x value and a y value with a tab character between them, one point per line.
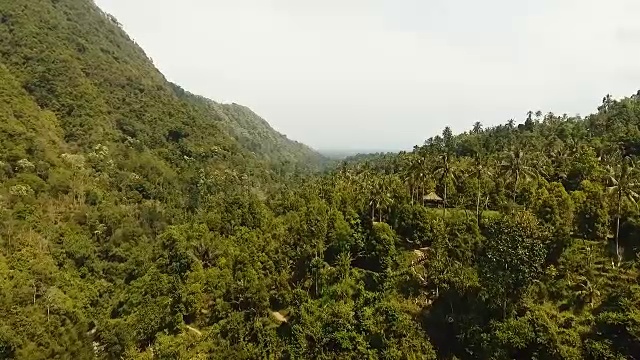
420	174
414	175
560	159
480	170
624	186
477	128
445	172
386	199
529	115
375	196
516	167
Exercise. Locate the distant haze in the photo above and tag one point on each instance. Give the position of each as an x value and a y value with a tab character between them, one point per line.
387	74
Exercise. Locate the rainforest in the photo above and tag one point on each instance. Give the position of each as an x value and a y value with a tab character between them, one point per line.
141	221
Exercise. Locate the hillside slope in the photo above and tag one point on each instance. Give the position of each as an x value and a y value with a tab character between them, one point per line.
105	167
75	61
255	134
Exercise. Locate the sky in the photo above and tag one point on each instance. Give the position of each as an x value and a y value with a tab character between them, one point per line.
388	74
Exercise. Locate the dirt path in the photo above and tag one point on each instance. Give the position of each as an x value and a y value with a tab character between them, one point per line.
194	330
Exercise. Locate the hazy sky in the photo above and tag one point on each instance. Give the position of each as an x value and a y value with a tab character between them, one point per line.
387	74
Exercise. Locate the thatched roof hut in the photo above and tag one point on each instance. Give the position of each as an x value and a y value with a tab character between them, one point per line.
432	198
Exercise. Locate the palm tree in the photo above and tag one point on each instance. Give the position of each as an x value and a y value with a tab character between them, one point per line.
538	115
477	128
419	174
607	101
550	116
415	175
623	186
386	198
381	198
560	158
480	169
587	293
445	172
516	167
376	194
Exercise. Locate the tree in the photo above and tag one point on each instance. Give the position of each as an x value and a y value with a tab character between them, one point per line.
607	102
591	211
516	167
623	185
448	139
512	258
382	247
477	128
554	207
480	171
446	173
588	292
419	174
538	115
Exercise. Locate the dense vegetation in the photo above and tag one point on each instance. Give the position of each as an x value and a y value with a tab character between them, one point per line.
140	221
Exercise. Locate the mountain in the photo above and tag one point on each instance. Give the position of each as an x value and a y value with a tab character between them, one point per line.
101	159
254	133
74	61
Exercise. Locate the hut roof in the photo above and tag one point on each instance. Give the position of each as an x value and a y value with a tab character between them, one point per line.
432	197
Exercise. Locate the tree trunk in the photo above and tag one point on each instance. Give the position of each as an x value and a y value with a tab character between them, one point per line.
478	204
444	207
618	227
515	186
414	191
504	309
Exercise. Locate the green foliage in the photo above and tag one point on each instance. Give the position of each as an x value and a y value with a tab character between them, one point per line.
554	207
416	225
140	221
512	258
592	211
382	247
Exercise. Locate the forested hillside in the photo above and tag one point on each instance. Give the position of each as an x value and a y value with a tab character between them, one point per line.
525	236
139	221
255	135
74	61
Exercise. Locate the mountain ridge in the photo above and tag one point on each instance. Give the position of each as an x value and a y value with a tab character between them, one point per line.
100	84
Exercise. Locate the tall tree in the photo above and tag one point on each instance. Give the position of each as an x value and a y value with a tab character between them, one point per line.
516	168
512	258
607	101
445	172
480	171
623	185
418	174
477	128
